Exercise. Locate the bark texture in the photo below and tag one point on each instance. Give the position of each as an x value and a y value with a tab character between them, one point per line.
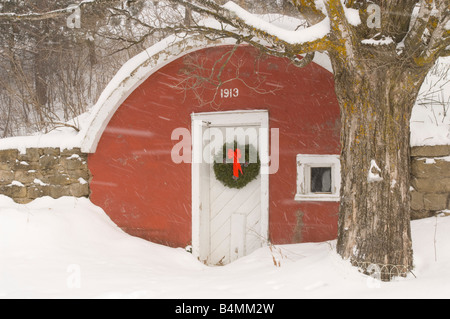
376	101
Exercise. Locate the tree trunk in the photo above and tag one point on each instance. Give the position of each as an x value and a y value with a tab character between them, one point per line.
374	216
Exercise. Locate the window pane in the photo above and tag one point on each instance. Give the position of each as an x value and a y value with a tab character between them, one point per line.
320	179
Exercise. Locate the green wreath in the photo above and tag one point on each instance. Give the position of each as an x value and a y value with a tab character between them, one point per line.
225	168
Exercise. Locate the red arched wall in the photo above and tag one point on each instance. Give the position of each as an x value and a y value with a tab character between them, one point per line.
148	195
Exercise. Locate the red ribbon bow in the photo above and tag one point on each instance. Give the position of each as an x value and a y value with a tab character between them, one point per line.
236	155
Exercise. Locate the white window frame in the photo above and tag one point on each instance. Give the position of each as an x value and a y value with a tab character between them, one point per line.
304	164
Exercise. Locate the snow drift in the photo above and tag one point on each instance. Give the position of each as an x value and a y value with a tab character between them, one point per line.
69	248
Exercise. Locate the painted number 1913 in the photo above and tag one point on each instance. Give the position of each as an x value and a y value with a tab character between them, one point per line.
229	93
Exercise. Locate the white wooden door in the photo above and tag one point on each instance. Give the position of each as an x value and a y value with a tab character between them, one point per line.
235	214
232	222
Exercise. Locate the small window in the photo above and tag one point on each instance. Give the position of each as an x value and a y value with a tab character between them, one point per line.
320	180
318	177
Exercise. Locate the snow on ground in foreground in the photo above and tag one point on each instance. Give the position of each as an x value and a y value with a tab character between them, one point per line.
69	248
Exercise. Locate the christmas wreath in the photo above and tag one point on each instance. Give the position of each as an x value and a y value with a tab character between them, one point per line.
236	166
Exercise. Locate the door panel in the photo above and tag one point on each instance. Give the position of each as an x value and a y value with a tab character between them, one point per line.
229	209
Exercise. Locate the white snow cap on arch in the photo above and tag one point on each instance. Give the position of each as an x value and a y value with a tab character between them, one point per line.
136	71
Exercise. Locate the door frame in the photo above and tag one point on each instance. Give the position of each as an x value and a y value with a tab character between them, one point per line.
200	211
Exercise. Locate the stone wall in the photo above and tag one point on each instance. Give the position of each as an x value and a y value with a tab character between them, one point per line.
430	180
43	172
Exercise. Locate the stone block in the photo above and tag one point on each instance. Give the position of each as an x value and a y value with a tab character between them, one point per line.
25	166
31	155
73	163
435	201
13	191
57	191
431	185
27	177
8	155
24	200
58	179
430	151
6	177
37	191
442	168
79	190
76	174
69	152
48	162
419	214
417	201
438	169
51	151
6	166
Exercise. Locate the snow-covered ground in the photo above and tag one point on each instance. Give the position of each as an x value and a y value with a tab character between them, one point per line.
69	248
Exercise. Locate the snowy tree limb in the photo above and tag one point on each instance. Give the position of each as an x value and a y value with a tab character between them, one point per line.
420	24
344	42
37	16
329	28
439	40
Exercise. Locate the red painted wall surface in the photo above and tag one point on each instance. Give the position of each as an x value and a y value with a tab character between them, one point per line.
148	195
